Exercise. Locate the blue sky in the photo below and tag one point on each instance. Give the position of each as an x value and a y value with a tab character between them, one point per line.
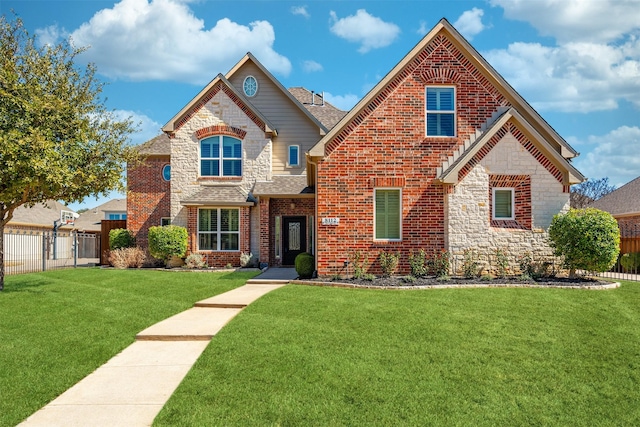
576	61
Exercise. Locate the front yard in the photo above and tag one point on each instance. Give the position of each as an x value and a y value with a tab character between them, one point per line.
325	356
59	326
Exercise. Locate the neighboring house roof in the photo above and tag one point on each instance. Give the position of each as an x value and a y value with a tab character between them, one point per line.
623	201
487	71
91	220
158	146
40	215
328	114
219	195
448	172
283	185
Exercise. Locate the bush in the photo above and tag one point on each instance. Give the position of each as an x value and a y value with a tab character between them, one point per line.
360	262
630	262
389	262
127	258
305	265
167	241
418	265
502	262
248	260
121	238
195	260
587	239
470	264
439	264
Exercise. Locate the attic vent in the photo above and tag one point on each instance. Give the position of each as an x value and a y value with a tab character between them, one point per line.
313	98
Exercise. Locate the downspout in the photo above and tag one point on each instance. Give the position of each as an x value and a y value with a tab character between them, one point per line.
315	213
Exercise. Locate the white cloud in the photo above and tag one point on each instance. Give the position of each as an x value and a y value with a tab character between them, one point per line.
470	23
370	31
343	102
164	40
422	30
614	155
575	20
300	10
147	127
311	66
50	35
573	77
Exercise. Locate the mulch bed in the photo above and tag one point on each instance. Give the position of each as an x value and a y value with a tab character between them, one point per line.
396	282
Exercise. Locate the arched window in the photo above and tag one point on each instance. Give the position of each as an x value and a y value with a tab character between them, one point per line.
221	155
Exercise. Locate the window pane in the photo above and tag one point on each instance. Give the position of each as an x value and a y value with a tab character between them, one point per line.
387	214
293	155
208	220
502	204
229	220
232	168
440	124
210	147
440	99
209	168
231	147
208	242
229	242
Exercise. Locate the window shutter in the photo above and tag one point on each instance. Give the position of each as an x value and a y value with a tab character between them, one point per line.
387	214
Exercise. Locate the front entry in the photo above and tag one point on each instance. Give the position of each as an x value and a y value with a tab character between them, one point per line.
294	238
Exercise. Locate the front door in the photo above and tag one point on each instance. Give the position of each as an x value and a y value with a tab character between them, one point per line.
294	239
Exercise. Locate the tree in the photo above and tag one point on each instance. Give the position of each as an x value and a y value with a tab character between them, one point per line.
57	139
588	239
586	192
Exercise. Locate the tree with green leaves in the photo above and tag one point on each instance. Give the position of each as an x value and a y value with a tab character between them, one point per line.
57	139
586	192
587	239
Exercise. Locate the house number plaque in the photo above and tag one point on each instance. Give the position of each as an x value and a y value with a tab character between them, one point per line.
330	221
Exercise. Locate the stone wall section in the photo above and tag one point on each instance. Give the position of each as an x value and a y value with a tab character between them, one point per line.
469	206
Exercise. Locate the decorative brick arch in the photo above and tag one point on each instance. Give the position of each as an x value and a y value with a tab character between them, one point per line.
440	75
221	130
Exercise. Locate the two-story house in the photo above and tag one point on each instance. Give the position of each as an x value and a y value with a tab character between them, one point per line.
442	154
231	168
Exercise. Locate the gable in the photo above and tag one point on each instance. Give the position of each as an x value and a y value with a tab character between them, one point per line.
444	57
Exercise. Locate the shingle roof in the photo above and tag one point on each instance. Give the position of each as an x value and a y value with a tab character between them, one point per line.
283	185
41	214
219	196
624	200
326	113
158	146
90	220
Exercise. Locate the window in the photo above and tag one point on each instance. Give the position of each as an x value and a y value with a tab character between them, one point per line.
387	214
277	238
219	229
293	159
441	114
221	156
250	86
117	216
165	221
503	203
166	172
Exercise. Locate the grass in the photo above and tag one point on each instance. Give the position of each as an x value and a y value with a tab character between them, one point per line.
325	356
59	326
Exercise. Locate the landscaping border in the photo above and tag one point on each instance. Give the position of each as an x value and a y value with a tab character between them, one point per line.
613	285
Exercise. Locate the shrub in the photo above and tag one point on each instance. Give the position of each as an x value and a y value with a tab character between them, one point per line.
631	262
502	262
389	262
121	238
127	258
247	260
470	264
439	264
360	263
167	241
418	263
195	260
305	265
525	262
587	239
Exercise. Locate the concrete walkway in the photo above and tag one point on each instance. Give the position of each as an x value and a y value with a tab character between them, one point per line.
131	388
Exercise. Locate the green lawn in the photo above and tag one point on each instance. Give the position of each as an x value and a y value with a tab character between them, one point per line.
59	326
507	357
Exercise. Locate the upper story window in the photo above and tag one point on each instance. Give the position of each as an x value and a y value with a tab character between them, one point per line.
293	157
441	111
116	216
166	172
250	86
503	201
221	156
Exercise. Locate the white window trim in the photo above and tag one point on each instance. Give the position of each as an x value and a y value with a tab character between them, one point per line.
374	214
493	203
289	156
245	81
165	218
220	159
454	111
218	232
